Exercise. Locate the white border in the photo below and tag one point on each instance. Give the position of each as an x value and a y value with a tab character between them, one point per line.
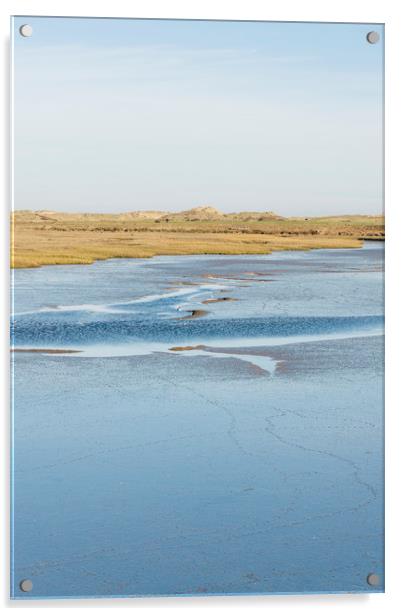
379	11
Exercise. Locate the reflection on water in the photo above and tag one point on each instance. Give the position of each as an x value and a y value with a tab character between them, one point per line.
238	451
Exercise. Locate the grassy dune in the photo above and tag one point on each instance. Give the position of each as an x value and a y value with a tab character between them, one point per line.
49	238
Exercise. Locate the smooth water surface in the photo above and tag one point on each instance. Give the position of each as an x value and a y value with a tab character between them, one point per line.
250	462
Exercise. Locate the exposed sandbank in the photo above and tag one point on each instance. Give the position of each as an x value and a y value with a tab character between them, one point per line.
194	314
188	348
47	351
219	299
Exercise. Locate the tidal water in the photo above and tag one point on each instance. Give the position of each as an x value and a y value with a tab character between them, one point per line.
199	425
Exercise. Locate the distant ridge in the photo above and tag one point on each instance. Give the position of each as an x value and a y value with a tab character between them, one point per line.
148	214
246	216
202	212
207	212
199	213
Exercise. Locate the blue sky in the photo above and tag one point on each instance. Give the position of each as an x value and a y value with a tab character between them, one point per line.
118	115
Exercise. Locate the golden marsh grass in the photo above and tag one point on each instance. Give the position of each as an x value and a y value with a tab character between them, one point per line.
50	238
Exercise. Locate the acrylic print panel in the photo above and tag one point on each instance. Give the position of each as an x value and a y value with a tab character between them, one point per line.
197	328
